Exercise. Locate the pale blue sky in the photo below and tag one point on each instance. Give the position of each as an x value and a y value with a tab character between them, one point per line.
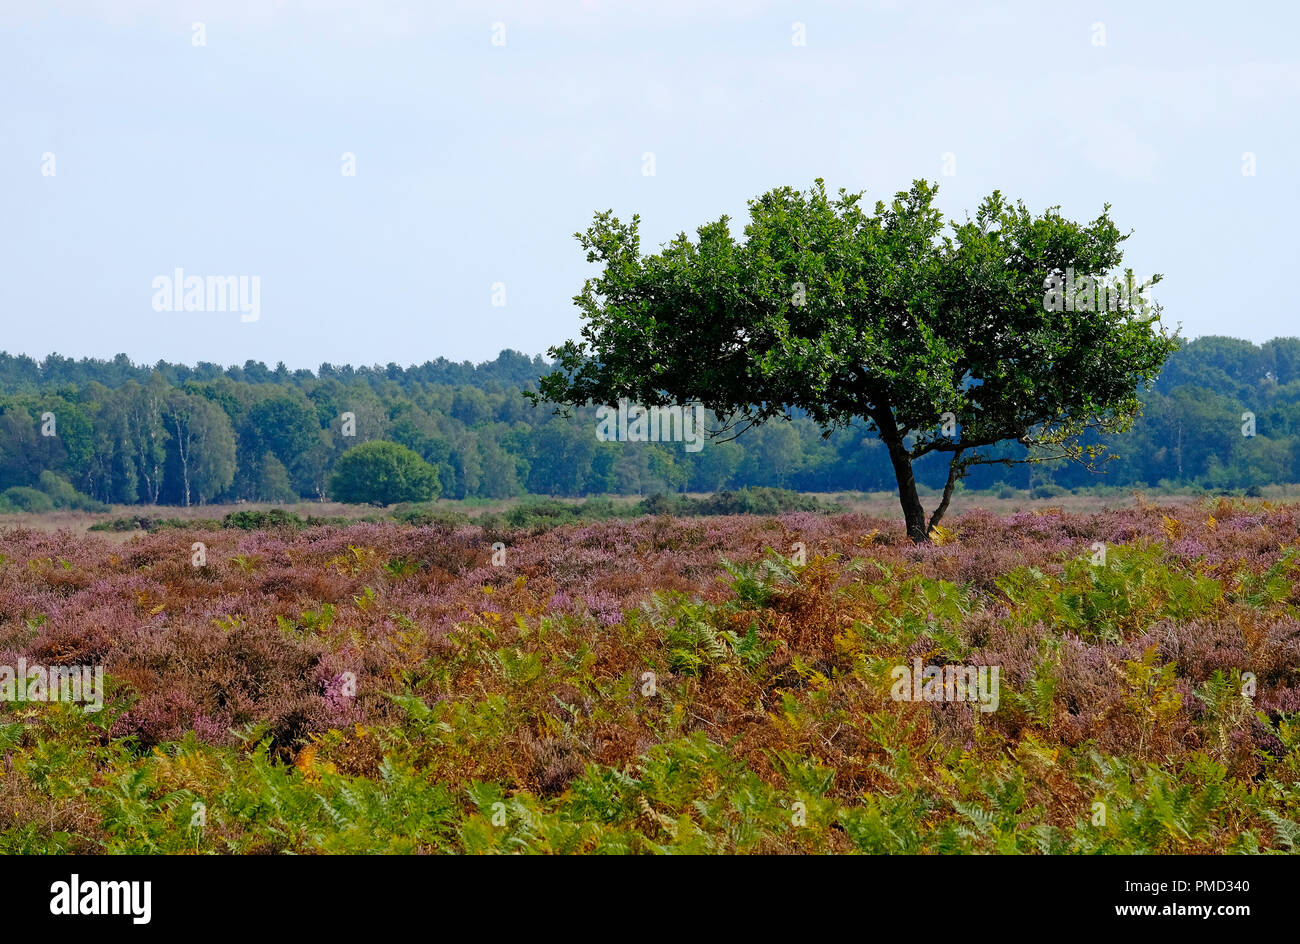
476	163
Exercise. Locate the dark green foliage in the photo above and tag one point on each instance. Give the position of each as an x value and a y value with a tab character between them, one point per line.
64	495
259	520
745	501
22	498
546	513
1189	436
383	473
273	484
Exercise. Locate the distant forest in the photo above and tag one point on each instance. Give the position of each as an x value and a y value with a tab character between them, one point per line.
88	431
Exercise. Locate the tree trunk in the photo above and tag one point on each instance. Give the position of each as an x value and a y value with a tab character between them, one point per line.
913	513
185	464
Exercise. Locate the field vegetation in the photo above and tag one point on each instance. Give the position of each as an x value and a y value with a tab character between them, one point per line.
716	683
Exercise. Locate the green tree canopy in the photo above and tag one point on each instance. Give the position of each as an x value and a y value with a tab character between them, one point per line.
273	483
383	473
205	444
881	318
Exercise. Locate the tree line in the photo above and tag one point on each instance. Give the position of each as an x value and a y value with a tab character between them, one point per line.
114	432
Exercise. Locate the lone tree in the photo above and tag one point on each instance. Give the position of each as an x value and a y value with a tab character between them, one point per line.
383	473
943	342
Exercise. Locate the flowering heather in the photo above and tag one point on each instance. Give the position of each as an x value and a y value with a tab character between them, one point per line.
664	684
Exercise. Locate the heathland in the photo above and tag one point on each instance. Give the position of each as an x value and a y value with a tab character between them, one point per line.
708	682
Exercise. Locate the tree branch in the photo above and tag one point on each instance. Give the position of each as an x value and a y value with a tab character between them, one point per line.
956	469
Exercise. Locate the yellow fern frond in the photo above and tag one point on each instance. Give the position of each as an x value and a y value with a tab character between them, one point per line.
306	761
941	535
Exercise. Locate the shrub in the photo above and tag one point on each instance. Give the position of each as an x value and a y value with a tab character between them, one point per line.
746	501
117	525
426	514
64	495
22	498
762	501
273	483
383	473
664	504
259	520
547	512
601	506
